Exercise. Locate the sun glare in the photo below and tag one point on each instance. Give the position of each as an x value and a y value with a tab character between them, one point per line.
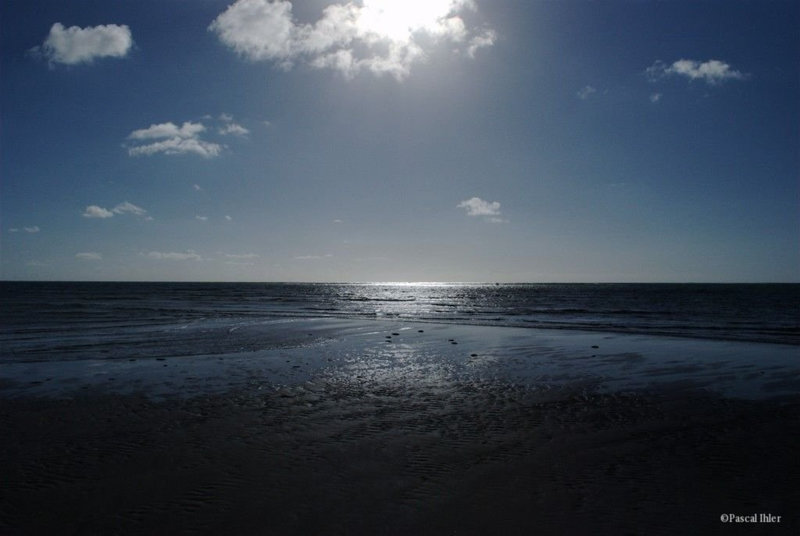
398	19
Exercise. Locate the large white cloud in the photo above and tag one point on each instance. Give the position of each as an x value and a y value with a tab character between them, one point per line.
380	36
712	72
82	45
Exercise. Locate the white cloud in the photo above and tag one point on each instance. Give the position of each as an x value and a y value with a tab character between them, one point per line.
173	140
380	36
478	207
94	211
33	229
228	218
129	208
241	256
712	72
89	256
313	257
177	146
13	230
197	187
586	92
655	97
202	218
168	130
485	39
233	128
126	207
175	256
75	45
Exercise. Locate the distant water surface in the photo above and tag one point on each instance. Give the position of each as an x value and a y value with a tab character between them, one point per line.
39	319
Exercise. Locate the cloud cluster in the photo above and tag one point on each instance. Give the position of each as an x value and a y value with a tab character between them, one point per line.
32	229
171	139
95	211
379	36
712	72
75	45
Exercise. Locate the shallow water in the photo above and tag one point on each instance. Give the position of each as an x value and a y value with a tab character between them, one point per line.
41	321
398	355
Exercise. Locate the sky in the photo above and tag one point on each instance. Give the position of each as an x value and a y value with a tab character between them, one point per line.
388	140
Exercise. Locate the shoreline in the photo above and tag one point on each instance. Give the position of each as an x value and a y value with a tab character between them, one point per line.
291	351
344	432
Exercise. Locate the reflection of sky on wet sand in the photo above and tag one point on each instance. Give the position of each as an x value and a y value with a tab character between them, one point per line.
355	355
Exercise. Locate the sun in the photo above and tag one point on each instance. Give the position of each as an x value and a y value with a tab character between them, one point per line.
398	19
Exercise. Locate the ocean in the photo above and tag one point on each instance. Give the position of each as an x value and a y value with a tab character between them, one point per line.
40	321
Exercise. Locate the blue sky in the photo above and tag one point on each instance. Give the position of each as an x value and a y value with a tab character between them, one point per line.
438	140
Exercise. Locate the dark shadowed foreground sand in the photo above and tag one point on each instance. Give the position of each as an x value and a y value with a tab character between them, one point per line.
393	443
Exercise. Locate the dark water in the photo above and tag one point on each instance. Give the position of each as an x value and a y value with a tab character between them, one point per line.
40	321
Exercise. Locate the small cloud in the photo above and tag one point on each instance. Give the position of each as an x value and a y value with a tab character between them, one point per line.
655	97
129	208
478	207
201	218
586	92
337	221
242	256
313	257
485	39
178	146
175	256
228	218
13	230
33	229
89	256
496	220
233	129
94	211
126	207
171	139
74	45
230	128
712	72
168	130
197	188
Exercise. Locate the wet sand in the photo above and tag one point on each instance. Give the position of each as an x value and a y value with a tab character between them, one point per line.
378	428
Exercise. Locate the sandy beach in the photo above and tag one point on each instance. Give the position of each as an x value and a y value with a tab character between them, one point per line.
355	427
